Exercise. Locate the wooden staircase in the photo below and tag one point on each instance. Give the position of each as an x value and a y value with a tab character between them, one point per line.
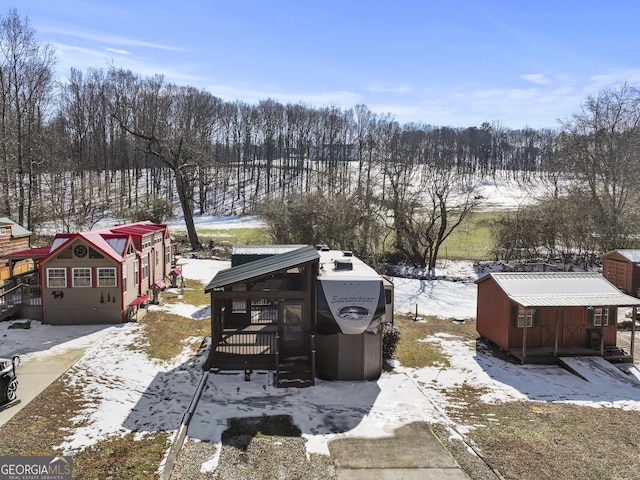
295	371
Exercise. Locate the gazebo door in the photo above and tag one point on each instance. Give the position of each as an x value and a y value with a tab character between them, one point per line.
293	328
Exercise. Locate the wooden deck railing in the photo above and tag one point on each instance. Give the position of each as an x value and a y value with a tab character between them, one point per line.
13	299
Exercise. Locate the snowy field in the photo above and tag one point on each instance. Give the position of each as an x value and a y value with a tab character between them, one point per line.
131	393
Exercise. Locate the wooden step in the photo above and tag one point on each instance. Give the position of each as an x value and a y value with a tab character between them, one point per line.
295	372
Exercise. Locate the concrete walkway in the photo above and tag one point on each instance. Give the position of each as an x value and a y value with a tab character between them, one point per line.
414	453
35	374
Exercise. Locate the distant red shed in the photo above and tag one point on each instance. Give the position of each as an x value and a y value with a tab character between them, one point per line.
564	314
622	268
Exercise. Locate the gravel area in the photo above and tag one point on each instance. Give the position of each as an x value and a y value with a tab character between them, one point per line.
472	464
284	458
245	457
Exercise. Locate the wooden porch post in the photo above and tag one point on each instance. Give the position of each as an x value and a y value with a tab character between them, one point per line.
602	330
524	336
557	339
633	330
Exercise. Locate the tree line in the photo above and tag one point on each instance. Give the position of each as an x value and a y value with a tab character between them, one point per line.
109	142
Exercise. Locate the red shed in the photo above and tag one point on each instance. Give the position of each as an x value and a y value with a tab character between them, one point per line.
622	268
564	314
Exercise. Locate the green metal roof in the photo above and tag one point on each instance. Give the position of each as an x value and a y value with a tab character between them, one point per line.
16	229
264	266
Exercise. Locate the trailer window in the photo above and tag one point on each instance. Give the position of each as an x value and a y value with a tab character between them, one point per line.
81	277
56	277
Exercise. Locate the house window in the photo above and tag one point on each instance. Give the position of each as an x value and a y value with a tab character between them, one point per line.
136	273
124	278
146	241
81	277
145	267
107	277
600	317
525	315
56	277
167	257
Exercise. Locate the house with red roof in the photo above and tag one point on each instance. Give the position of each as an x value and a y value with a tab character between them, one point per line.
104	276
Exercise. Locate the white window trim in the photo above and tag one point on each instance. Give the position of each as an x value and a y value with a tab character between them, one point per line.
145	266
74	270
64	277
522	312
598	315
124	277
111	278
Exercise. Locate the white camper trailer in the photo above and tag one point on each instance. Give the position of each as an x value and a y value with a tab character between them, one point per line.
352	302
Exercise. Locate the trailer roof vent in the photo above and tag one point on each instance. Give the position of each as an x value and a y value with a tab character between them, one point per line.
347	253
323	248
343	264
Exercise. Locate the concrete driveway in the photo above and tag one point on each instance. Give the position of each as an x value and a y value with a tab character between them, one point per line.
37	373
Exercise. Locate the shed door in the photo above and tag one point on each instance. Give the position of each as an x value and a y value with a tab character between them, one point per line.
616	273
572	332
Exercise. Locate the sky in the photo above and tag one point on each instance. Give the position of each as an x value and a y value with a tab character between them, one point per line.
455	63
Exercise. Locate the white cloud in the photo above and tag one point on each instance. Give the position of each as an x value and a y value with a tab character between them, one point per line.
537	78
390	89
118	51
107	39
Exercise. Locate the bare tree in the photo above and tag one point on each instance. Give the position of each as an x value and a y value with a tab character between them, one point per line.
602	146
25	84
174	126
427	202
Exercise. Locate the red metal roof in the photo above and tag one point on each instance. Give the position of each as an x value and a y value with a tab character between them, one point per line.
35	253
139	300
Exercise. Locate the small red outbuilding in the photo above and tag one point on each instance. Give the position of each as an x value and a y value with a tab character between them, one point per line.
564	313
622	268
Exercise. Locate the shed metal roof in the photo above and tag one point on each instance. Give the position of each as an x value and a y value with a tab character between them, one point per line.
561	289
631	255
17	230
264	266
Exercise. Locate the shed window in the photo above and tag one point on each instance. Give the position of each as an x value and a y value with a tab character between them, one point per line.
81	277
600	317
56	277
107	277
525	315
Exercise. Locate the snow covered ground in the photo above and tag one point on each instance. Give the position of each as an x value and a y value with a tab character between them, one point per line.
129	392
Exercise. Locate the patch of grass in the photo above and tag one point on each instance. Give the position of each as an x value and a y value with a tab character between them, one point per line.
122	457
472	240
535	440
167	333
193	294
44	423
260	427
234	236
412	352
